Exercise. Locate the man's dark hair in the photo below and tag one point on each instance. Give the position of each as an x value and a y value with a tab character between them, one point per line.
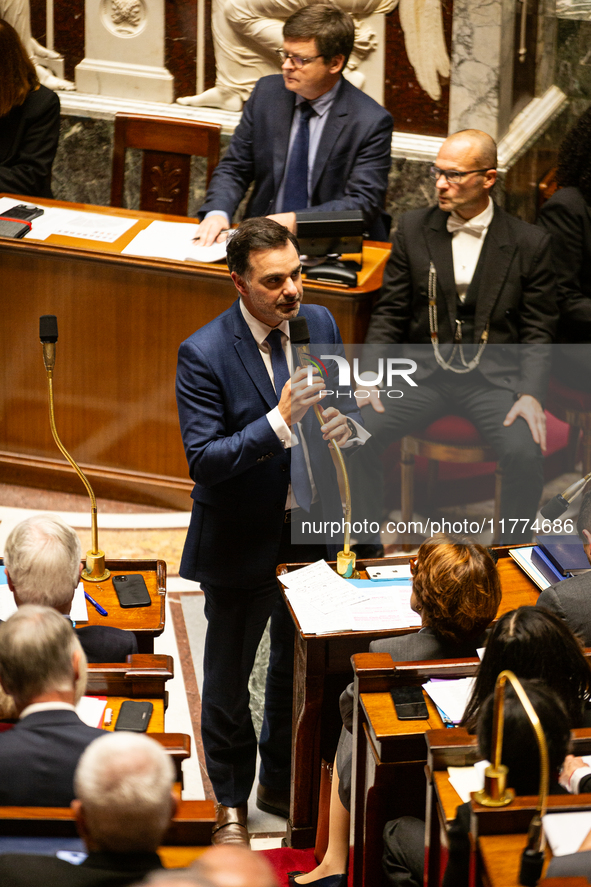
584	518
252	235
331	28
574	157
520	748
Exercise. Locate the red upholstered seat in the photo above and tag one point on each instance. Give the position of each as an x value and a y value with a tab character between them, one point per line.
561	398
452	430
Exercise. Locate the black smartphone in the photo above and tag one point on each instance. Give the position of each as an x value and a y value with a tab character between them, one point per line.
134	716
132	591
409	703
25	211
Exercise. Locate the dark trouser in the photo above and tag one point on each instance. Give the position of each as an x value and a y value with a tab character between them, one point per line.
403	861
236	620
483	404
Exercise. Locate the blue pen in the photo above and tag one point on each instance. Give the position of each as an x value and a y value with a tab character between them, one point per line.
96	606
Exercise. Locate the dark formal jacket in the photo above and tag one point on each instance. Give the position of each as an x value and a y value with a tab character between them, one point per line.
104	643
567	218
28	142
571	600
97	870
513	288
351	165
38	758
238	464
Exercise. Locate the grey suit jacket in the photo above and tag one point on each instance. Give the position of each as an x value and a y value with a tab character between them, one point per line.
571	866
97	870
571	600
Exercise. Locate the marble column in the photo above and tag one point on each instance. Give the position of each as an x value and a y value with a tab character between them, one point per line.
481	65
124	51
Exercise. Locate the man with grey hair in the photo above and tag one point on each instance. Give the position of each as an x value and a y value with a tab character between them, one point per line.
43	667
42	558
124	804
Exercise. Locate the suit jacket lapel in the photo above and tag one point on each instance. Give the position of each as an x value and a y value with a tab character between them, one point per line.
283	113
495	261
248	352
337	118
439	246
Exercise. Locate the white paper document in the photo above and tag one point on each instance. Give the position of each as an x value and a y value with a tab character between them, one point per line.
78	613
324	602
451	696
173	240
94	226
326	590
467	779
522	556
91	709
566	831
41	227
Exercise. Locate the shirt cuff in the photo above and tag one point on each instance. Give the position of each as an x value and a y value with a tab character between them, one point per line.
281	429
217	212
357	439
577	775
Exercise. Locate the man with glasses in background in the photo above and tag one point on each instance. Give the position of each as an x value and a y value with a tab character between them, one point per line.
470	292
308	138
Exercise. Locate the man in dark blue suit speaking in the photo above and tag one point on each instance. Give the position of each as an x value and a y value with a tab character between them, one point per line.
308	139
242	431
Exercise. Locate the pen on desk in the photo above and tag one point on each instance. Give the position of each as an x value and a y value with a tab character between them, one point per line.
96	605
223	231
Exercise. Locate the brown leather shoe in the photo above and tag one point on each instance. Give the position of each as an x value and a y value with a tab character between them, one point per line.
230	827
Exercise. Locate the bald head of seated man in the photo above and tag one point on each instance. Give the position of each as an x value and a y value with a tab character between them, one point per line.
123	806
42	559
43	668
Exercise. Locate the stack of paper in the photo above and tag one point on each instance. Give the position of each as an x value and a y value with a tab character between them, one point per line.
173	240
566	831
78	613
451	696
324	602
91	710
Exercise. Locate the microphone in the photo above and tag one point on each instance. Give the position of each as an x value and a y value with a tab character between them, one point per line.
558	504
95	570
48	336
300	339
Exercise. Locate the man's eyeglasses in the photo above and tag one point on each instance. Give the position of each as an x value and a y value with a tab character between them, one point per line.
453	176
296	60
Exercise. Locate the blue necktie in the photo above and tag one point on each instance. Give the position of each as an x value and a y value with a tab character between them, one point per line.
296	180
300	482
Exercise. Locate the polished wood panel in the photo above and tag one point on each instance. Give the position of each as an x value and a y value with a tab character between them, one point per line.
191	824
146	622
144	674
121	320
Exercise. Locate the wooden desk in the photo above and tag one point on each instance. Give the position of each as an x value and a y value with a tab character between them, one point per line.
146	622
121	320
143	675
501	833
323	670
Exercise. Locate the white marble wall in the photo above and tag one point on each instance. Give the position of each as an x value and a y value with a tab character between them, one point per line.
480	87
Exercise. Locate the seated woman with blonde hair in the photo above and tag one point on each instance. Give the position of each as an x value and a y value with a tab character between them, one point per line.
29	121
457	592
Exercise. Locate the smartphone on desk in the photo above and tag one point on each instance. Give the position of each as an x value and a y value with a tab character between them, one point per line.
409	703
132	591
134	716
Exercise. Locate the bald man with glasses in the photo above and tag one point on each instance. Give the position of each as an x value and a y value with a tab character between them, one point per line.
470	292
308	139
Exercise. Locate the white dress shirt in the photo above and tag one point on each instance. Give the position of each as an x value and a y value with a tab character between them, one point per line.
467	239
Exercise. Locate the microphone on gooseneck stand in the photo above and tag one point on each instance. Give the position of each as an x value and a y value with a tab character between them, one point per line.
558	504
300	340
95	559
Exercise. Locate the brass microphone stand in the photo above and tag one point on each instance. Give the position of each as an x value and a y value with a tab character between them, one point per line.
95	570
496	794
